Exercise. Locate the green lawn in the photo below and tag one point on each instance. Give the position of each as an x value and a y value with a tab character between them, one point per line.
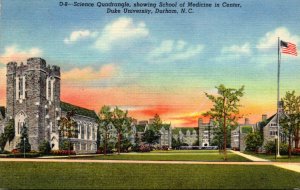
140	176
283	158
176	155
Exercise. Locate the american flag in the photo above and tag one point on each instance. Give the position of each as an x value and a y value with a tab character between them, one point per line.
288	48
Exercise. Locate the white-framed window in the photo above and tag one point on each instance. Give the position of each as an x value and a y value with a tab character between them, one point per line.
50	81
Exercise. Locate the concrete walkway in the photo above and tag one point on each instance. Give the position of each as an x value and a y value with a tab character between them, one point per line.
285	165
249	157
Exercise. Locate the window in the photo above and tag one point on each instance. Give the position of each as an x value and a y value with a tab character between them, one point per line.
82	131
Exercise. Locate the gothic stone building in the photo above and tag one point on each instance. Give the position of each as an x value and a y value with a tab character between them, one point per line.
33	99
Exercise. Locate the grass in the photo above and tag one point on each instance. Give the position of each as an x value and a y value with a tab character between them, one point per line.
182	155
283	158
40	175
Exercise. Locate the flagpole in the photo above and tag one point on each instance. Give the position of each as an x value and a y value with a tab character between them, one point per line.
278	96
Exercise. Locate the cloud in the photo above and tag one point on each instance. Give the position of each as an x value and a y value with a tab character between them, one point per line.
88	73
121	29
237	50
78	35
14	53
270	40
170	51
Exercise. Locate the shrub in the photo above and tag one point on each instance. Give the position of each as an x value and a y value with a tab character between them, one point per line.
15	151
296	151
65	145
142	148
164	147
253	141
270	148
44	147
63	152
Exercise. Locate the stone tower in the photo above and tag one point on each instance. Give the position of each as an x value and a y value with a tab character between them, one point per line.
33	100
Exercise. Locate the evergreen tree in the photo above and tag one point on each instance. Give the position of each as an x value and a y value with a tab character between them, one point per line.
24	141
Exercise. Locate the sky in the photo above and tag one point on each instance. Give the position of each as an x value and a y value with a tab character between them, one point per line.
157	63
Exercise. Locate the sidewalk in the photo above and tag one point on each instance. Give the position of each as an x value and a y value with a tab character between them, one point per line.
285	165
252	158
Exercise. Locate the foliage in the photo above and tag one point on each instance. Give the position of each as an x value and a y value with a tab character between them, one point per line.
9	131
65	145
291	122
143	148
270	148
246	129
296	151
121	122
218	137
150	136
63	152
253	141
45	147
3	141
105	119
68	127
24	143
156	124
125	145
225	110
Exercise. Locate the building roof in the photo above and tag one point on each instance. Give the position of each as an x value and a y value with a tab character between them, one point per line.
265	122
184	129
78	110
2	111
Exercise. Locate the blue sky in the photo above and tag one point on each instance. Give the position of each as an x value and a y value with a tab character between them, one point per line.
158	60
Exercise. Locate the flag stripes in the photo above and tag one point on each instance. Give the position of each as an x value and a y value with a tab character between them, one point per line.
288	48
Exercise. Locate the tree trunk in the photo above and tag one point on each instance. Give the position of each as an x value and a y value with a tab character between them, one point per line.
290	144
119	142
105	143
297	138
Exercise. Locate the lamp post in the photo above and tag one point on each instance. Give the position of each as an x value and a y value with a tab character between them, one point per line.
24	146
277	147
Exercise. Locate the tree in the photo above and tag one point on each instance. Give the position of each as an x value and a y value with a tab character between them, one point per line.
2	141
120	121
68	127
150	136
253	141
156	124
105	120
24	143
225	109
45	147
291	120
9	131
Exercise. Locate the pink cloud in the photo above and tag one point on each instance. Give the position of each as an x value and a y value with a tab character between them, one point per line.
88	73
14	53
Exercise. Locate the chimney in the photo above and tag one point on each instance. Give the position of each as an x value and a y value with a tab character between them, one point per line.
247	121
264	117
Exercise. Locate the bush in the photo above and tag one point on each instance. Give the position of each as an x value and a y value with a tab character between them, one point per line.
253	141
296	151
63	152
44	147
270	148
21	155
64	145
164	147
142	148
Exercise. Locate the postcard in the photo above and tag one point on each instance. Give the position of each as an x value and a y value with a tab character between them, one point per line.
149	94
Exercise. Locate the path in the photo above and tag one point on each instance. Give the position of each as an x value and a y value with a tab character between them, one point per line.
286	165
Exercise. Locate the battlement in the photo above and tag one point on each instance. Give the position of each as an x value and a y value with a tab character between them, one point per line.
34	63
